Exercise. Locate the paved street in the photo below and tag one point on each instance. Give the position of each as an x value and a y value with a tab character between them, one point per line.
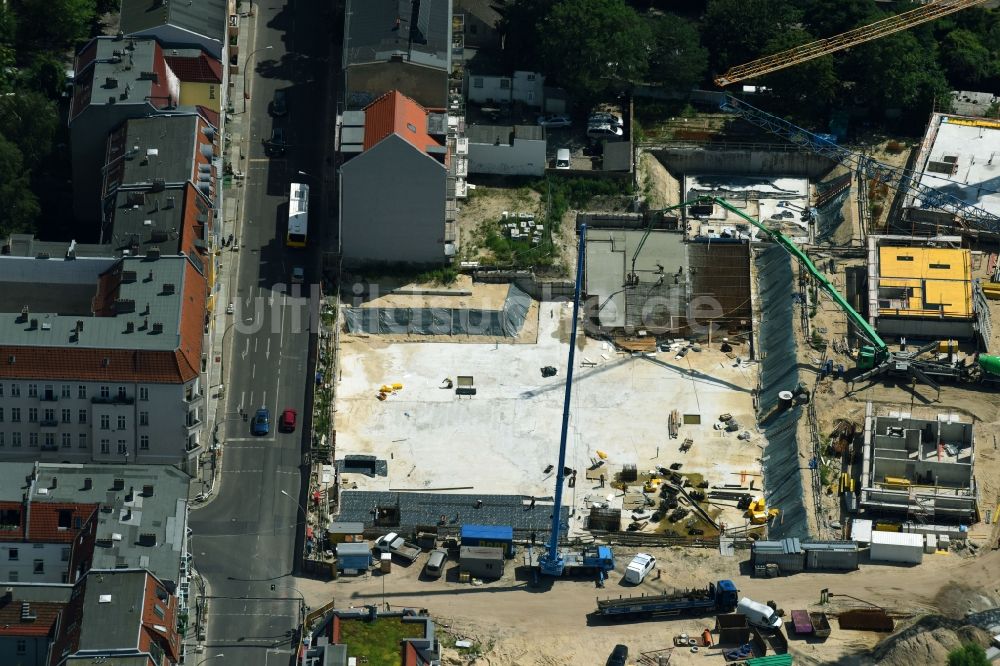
244	539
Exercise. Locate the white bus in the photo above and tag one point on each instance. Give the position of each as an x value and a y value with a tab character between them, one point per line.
298	215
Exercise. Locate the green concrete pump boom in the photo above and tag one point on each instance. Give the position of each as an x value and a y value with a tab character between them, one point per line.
866	330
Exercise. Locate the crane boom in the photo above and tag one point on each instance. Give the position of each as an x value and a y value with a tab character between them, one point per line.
844	40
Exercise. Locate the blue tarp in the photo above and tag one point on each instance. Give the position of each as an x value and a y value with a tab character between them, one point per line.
779	372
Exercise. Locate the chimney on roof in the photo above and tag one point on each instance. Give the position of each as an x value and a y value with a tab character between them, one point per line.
157	327
34	324
24	313
129	326
147	490
153	254
55	482
88	483
27	615
110	82
168	288
79	326
131	494
119	484
128	515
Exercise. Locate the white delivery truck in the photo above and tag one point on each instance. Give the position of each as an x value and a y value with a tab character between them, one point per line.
758	614
640	565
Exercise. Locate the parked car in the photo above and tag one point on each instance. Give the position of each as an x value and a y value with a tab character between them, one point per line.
554	121
618	656
605	118
279	106
288	419
435	563
604	132
640	565
562	158
276	144
261	422
298	275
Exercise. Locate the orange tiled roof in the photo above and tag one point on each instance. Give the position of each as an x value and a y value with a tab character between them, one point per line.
395	113
43	521
124	365
193	313
46	613
167	640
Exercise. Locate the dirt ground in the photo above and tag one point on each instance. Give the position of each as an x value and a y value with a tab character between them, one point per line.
513	623
486	204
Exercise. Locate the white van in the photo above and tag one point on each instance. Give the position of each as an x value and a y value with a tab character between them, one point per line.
758	614
435	563
562	158
640	565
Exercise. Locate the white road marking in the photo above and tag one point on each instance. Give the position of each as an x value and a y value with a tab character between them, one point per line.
243	395
267	352
246	349
253	371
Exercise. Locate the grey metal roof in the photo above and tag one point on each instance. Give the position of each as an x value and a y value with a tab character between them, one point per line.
480	553
204	17
125	61
787	546
143	220
59	292
830	545
114	622
458	509
163	513
26	245
348	549
50	592
13	483
340	527
420	30
160	147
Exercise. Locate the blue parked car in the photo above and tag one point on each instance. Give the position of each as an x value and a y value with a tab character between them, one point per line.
261	422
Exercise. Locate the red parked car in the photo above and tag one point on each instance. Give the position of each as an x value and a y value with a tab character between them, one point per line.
288	418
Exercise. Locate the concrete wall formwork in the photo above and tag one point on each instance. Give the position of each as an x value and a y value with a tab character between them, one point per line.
695	159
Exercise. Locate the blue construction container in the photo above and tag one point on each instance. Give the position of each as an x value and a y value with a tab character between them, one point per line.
489	536
353	557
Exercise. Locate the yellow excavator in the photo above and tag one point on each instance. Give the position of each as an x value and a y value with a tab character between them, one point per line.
758	513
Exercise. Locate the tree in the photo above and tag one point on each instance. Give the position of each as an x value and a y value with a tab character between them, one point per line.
970	654
18	203
827	18
809	86
30	120
966	59
589	46
517	29
678	60
46	74
736	31
55	24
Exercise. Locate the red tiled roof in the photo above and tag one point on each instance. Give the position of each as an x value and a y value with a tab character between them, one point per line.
395	113
167	640
190	226
202	69
195	295
46	614
43	521
13	534
124	365
210	116
159	95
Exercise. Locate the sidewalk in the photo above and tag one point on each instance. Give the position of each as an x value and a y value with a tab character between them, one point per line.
205	485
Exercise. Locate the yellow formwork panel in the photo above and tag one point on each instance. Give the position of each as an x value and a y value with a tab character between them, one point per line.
933	277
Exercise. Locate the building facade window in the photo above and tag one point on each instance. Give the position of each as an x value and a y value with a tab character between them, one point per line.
143	393
15	414
15	390
477	82
143	418
32	415
121	391
67	440
105	446
33	439
81	392
1	414
12	554
105	392
82	439
22	646
1	438
32	390
1	390
82	416
144	442
65	554
67	416
121	422
65	390
50	415
122	447
38	566
15	440
105	422
50	440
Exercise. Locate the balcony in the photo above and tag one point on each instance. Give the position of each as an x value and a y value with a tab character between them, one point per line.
48	396
193	423
194	397
112	400
49	423
50	447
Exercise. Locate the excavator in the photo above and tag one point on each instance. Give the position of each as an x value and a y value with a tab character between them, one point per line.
874	358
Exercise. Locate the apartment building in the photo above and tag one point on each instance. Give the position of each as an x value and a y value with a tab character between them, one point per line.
29	617
101	359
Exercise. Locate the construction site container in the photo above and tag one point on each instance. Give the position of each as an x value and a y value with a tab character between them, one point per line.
930	543
385	560
787	554
898	547
340	532
861	531
832	555
489	536
353	557
482	562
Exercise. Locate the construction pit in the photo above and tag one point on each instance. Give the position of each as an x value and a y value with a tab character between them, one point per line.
504	439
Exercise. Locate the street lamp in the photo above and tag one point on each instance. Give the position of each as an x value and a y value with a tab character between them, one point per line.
305	511
246	65
214	656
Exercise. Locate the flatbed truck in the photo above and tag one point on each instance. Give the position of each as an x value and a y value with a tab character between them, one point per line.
719	597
